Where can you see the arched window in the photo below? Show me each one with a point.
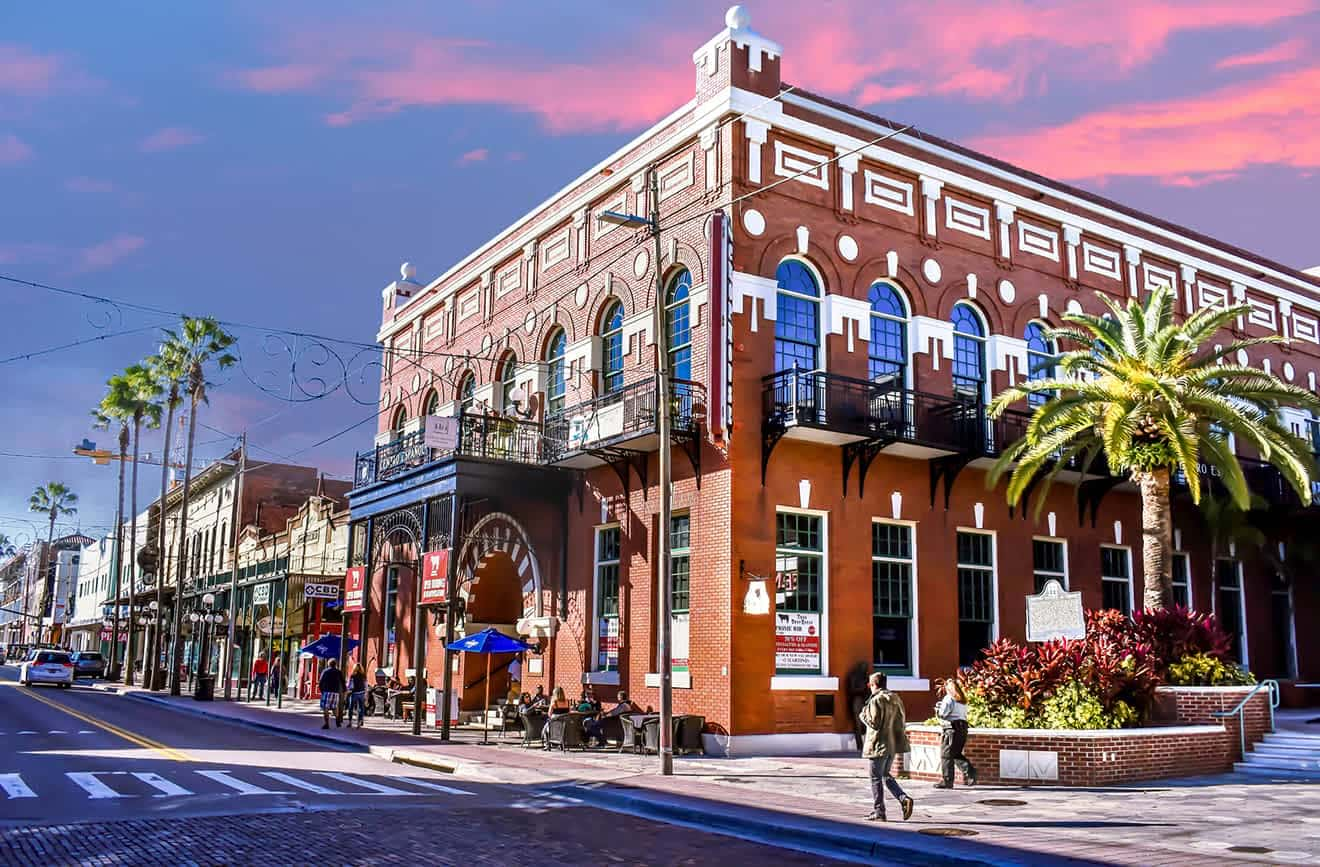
(887, 350)
(678, 327)
(797, 317)
(611, 347)
(1040, 359)
(467, 393)
(431, 406)
(400, 418)
(969, 374)
(556, 386)
(508, 379)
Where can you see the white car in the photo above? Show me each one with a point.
(47, 666)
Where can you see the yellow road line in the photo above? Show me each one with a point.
(140, 740)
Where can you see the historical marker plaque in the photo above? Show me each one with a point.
(1055, 613)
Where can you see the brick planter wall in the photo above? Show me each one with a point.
(1193, 705)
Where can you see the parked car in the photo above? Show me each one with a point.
(47, 666)
(88, 663)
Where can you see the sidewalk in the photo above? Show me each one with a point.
(817, 802)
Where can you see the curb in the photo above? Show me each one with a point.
(814, 836)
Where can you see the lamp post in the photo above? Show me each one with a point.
(665, 432)
(204, 618)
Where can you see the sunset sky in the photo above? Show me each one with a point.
(273, 163)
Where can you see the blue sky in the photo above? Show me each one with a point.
(274, 163)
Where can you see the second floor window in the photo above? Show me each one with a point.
(556, 385)
(887, 350)
(797, 317)
(467, 393)
(400, 418)
(968, 352)
(611, 347)
(431, 406)
(678, 327)
(1040, 359)
(508, 380)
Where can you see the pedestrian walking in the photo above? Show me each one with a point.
(357, 695)
(259, 678)
(952, 711)
(276, 677)
(332, 685)
(886, 738)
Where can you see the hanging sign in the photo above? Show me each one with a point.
(440, 432)
(797, 641)
(435, 577)
(678, 644)
(261, 594)
(320, 591)
(355, 582)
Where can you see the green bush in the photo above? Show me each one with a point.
(1200, 669)
(1074, 706)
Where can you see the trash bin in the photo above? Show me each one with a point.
(205, 690)
(160, 680)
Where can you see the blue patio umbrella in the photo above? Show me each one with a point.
(327, 647)
(489, 641)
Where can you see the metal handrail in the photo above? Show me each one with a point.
(1240, 710)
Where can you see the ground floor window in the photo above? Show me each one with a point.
(1049, 562)
(799, 589)
(1182, 581)
(607, 598)
(391, 610)
(680, 550)
(976, 594)
(892, 625)
(1282, 631)
(1116, 578)
(1228, 604)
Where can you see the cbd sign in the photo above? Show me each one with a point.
(435, 577)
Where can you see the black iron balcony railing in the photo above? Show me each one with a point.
(622, 415)
(491, 437)
(870, 410)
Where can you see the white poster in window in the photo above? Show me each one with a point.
(678, 644)
(261, 594)
(797, 642)
(607, 655)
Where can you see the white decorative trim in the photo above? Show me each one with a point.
(908, 684)
(802, 744)
(1099, 734)
(1305, 328)
(838, 310)
(1102, 261)
(1005, 215)
(556, 248)
(583, 356)
(1210, 295)
(746, 289)
(600, 678)
(802, 165)
(848, 164)
(509, 279)
(469, 304)
(930, 191)
(680, 680)
(641, 328)
(926, 334)
(887, 192)
(966, 217)
(847, 247)
(1038, 240)
(677, 176)
(753, 222)
(804, 682)
(1263, 313)
(1153, 276)
(757, 133)
(1000, 348)
(803, 239)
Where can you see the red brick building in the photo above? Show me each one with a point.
(842, 295)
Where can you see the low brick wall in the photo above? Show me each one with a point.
(1195, 705)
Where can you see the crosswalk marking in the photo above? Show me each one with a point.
(239, 786)
(427, 784)
(86, 732)
(366, 784)
(15, 787)
(167, 788)
(94, 788)
(301, 784)
(27, 733)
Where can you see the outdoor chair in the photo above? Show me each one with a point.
(509, 719)
(612, 729)
(565, 731)
(632, 734)
(688, 737)
(533, 726)
(651, 729)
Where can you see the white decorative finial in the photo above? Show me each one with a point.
(408, 270)
(737, 18)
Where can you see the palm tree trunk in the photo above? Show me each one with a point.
(118, 564)
(132, 553)
(177, 639)
(1156, 538)
(46, 576)
(154, 649)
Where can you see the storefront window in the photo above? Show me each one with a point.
(1228, 604)
(976, 595)
(1182, 582)
(891, 582)
(799, 580)
(1048, 558)
(1116, 578)
(391, 603)
(607, 599)
(680, 541)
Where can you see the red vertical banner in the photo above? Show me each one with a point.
(435, 577)
(355, 583)
(719, 356)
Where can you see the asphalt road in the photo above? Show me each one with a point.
(88, 776)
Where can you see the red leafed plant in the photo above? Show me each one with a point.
(1174, 633)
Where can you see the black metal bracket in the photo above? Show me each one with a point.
(771, 434)
(862, 454)
(946, 470)
(623, 461)
(1090, 493)
(690, 443)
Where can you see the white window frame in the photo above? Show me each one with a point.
(914, 627)
(994, 574)
(1191, 600)
(598, 674)
(1296, 672)
(907, 329)
(1127, 552)
(1066, 582)
(823, 681)
(1242, 601)
(822, 327)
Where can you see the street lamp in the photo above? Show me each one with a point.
(204, 618)
(665, 432)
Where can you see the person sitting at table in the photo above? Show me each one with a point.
(539, 701)
(559, 702)
(595, 728)
(524, 702)
(588, 704)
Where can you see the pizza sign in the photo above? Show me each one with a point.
(355, 582)
(435, 577)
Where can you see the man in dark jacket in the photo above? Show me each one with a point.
(332, 686)
(886, 739)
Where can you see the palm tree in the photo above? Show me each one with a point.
(7, 548)
(140, 393)
(199, 344)
(114, 408)
(1140, 389)
(167, 369)
(54, 499)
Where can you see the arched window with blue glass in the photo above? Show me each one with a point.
(508, 379)
(1040, 360)
(611, 347)
(678, 325)
(797, 317)
(887, 359)
(467, 393)
(969, 367)
(556, 386)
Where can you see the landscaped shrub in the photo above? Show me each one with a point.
(1200, 669)
(1176, 633)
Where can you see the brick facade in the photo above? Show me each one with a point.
(941, 225)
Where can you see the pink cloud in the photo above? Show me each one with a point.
(476, 155)
(108, 253)
(1197, 140)
(1281, 53)
(24, 72)
(13, 150)
(88, 185)
(169, 138)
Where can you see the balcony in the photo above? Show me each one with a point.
(484, 437)
(623, 424)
